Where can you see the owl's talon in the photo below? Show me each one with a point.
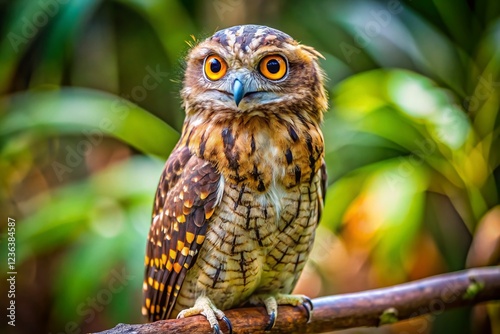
(272, 321)
(228, 323)
(308, 301)
(308, 305)
(271, 303)
(204, 306)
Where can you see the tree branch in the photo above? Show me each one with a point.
(432, 295)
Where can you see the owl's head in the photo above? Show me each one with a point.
(253, 69)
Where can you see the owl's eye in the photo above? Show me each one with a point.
(273, 67)
(215, 67)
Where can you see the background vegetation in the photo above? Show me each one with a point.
(89, 111)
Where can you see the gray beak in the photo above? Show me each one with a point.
(238, 91)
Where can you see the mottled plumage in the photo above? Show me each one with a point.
(242, 192)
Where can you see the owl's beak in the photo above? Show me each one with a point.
(238, 91)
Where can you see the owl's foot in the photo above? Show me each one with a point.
(272, 301)
(205, 307)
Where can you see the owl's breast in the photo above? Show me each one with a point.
(263, 154)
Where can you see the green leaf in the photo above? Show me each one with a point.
(88, 113)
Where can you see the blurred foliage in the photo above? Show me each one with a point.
(89, 111)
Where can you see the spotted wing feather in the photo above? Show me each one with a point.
(185, 200)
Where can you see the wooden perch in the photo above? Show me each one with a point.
(433, 295)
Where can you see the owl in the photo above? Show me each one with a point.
(242, 192)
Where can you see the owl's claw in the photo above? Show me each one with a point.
(205, 307)
(271, 303)
(272, 321)
(228, 323)
(308, 305)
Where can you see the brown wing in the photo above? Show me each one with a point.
(186, 198)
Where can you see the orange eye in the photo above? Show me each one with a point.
(273, 67)
(215, 67)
